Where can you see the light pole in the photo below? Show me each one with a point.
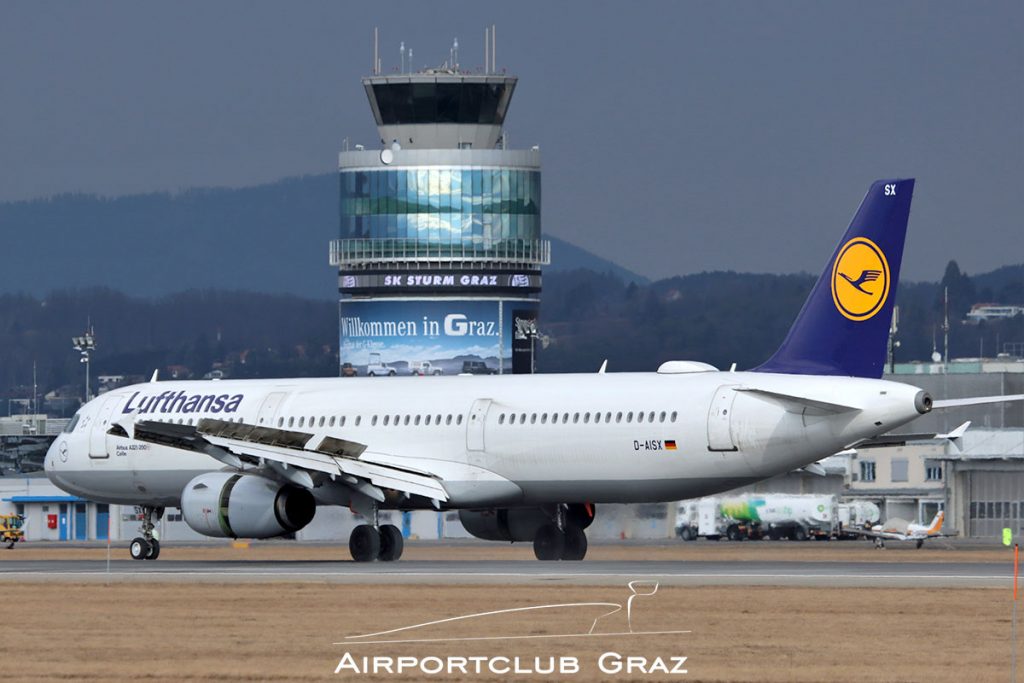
(85, 345)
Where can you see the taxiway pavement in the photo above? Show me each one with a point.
(522, 572)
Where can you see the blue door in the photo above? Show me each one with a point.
(81, 525)
(62, 522)
(102, 521)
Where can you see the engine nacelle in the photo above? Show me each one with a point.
(232, 505)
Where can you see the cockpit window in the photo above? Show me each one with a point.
(71, 425)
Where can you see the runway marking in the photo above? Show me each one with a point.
(386, 575)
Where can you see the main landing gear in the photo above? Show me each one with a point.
(561, 540)
(147, 546)
(376, 541)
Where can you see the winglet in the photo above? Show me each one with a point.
(604, 367)
(956, 437)
(156, 374)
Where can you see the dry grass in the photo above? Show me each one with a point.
(286, 631)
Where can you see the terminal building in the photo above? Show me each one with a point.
(439, 255)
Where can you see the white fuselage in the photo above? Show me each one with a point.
(498, 440)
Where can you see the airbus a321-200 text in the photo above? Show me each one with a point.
(522, 457)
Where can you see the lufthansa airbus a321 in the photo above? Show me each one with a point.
(523, 458)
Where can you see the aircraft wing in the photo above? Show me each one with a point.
(870, 533)
(294, 456)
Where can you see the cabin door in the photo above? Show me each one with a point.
(475, 425)
(720, 419)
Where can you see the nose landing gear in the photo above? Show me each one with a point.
(147, 546)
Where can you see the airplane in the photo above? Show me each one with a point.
(523, 458)
(918, 533)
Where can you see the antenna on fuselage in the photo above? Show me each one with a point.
(604, 366)
(156, 374)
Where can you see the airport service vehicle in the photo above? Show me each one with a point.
(521, 457)
(895, 531)
(425, 367)
(772, 515)
(375, 367)
(11, 529)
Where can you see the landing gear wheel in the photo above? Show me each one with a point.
(920, 542)
(798, 534)
(364, 543)
(154, 550)
(549, 543)
(734, 533)
(687, 533)
(139, 548)
(391, 543)
(575, 546)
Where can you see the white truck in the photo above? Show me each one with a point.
(375, 368)
(424, 368)
(771, 515)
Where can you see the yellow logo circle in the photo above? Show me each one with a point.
(860, 279)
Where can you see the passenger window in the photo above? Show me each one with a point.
(359, 418)
(533, 418)
(522, 418)
(650, 417)
(322, 421)
(565, 418)
(417, 420)
(608, 417)
(406, 421)
(280, 421)
(330, 423)
(618, 417)
(437, 420)
(373, 421)
(586, 418)
(291, 421)
(673, 416)
(661, 418)
(597, 418)
(629, 416)
(387, 419)
(575, 418)
(640, 416)
(448, 421)
(501, 419)
(341, 422)
(544, 418)
(458, 420)
(426, 420)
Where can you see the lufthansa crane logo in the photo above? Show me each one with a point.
(860, 279)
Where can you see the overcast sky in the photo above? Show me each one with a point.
(676, 136)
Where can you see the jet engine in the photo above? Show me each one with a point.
(232, 505)
(519, 524)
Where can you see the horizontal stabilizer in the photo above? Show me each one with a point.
(955, 436)
(975, 401)
(799, 404)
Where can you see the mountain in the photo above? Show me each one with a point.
(268, 238)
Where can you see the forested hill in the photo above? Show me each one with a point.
(269, 238)
(587, 316)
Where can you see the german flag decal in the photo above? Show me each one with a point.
(670, 444)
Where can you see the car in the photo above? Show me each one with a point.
(376, 367)
(347, 370)
(477, 367)
(424, 368)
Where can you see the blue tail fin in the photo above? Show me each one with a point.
(843, 327)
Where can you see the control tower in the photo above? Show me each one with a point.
(440, 252)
